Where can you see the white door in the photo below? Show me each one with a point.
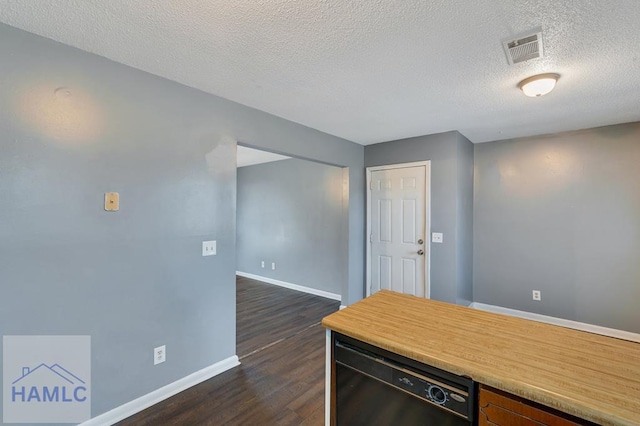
(398, 216)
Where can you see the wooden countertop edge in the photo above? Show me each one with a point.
(522, 389)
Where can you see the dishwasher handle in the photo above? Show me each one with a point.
(364, 362)
(427, 388)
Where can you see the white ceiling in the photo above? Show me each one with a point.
(250, 156)
(371, 70)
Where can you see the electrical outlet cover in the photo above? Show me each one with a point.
(159, 355)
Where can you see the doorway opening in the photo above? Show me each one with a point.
(291, 218)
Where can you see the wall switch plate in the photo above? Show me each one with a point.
(273, 266)
(159, 354)
(537, 295)
(262, 263)
(209, 248)
(437, 237)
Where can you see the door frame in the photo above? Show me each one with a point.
(427, 222)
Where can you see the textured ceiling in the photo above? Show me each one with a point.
(371, 70)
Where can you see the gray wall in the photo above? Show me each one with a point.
(561, 214)
(464, 228)
(446, 151)
(290, 212)
(133, 279)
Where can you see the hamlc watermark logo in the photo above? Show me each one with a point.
(46, 379)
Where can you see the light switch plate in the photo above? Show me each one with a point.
(111, 201)
(209, 248)
(437, 237)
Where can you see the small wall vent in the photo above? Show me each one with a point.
(524, 48)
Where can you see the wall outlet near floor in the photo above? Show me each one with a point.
(159, 355)
(273, 266)
(209, 248)
(262, 263)
(537, 295)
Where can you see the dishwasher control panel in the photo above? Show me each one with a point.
(432, 391)
(436, 387)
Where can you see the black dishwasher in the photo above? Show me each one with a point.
(377, 387)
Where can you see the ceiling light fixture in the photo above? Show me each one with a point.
(538, 85)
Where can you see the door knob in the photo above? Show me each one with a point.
(420, 241)
(420, 252)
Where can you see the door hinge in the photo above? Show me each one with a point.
(371, 237)
(371, 185)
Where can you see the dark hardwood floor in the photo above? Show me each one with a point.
(280, 343)
(267, 314)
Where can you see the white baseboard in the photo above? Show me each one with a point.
(591, 328)
(291, 286)
(342, 307)
(130, 408)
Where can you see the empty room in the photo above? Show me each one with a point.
(320, 212)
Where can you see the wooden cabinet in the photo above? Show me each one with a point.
(497, 408)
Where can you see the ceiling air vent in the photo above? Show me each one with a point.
(524, 48)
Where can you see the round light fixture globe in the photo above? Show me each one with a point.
(538, 85)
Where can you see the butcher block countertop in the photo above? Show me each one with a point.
(593, 377)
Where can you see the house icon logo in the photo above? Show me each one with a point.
(63, 386)
(46, 379)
